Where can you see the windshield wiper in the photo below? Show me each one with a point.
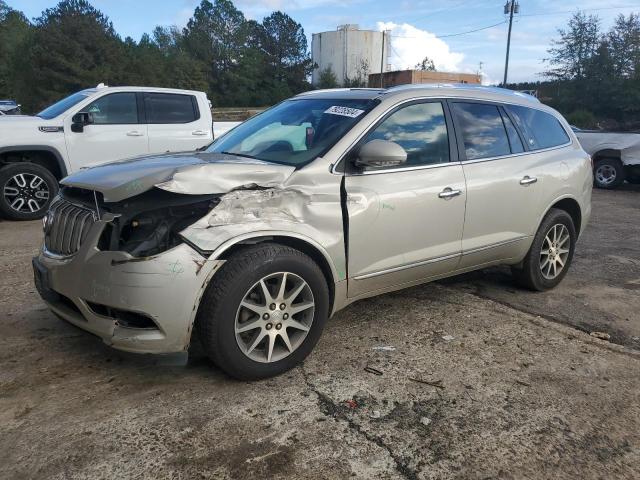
(240, 155)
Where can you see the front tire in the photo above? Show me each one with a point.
(608, 173)
(263, 312)
(26, 191)
(551, 253)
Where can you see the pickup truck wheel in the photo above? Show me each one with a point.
(551, 252)
(263, 312)
(608, 173)
(26, 191)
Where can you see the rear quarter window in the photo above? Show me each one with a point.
(541, 129)
(170, 108)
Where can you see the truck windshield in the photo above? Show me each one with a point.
(294, 132)
(63, 105)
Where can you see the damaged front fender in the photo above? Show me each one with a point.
(312, 216)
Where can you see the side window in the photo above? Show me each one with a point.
(483, 131)
(114, 109)
(541, 129)
(512, 133)
(420, 129)
(170, 108)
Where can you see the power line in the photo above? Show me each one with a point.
(459, 33)
(563, 12)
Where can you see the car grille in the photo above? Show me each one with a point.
(66, 227)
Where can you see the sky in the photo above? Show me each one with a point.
(419, 28)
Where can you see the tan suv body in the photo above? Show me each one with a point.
(324, 199)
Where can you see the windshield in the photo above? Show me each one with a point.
(63, 105)
(295, 131)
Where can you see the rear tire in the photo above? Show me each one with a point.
(249, 343)
(608, 173)
(551, 253)
(26, 191)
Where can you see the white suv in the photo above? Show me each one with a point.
(322, 200)
(92, 127)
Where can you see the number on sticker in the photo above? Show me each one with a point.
(344, 111)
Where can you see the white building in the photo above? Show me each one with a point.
(350, 52)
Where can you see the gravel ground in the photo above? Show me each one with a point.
(477, 380)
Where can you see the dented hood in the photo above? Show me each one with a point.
(194, 173)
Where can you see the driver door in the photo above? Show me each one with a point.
(115, 134)
(405, 222)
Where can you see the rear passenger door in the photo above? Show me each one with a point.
(503, 183)
(175, 123)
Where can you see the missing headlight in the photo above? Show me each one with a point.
(150, 223)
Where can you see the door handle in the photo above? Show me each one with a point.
(527, 180)
(200, 133)
(448, 193)
(134, 133)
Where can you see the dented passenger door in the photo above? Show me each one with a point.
(405, 222)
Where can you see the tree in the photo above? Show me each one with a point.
(577, 44)
(361, 78)
(72, 46)
(426, 65)
(14, 28)
(216, 35)
(287, 62)
(624, 45)
(327, 78)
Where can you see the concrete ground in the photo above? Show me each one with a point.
(466, 378)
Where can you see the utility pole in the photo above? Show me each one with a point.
(510, 8)
(384, 34)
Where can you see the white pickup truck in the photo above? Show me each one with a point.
(616, 156)
(91, 127)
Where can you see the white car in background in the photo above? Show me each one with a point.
(616, 156)
(89, 128)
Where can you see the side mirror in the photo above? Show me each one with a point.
(381, 153)
(79, 120)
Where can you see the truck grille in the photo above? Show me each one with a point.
(66, 227)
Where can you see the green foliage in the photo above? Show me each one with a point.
(594, 76)
(327, 79)
(426, 65)
(14, 28)
(72, 46)
(577, 44)
(582, 118)
(361, 78)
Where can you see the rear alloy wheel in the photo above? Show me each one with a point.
(263, 311)
(608, 173)
(26, 191)
(550, 253)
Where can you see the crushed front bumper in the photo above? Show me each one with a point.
(99, 290)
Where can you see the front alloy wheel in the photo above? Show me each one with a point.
(274, 317)
(263, 311)
(26, 193)
(26, 190)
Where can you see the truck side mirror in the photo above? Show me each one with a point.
(80, 120)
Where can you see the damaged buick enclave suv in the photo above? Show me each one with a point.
(326, 198)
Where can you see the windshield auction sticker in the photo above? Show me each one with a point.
(344, 111)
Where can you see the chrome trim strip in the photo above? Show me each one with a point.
(494, 245)
(530, 152)
(407, 266)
